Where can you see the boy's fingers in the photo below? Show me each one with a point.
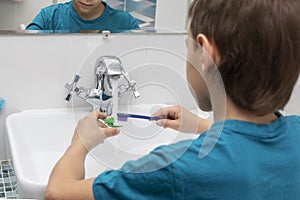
(159, 113)
(166, 123)
(164, 112)
(110, 131)
(101, 124)
(99, 114)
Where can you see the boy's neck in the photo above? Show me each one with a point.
(235, 112)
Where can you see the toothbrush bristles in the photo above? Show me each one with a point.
(122, 119)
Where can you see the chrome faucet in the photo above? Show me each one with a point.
(108, 69)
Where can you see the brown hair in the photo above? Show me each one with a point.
(259, 45)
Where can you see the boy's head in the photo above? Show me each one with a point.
(256, 46)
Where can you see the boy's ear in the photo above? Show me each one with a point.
(209, 47)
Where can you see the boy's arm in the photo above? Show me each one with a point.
(134, 25)
(180, 119)
(38, 23)
(67, 178)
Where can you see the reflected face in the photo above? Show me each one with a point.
(197, 84)
(88, 9)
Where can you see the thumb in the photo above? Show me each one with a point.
(108, 132)
(168, 123)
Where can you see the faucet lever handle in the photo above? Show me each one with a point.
(136, 93)
(131, 85)
(72, 87)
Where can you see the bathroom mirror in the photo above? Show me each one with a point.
(166, 16)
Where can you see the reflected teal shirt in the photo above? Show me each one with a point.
(248, 161)
(63, 17)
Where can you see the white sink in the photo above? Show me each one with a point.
(37, 139)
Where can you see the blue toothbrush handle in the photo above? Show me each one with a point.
(137, 116)
(144, 117)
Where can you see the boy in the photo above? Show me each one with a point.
(255, 45)
(83, 15)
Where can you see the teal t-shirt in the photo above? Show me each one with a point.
(248, 161)
(63, 17)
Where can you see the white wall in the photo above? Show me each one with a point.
(293, 107)
(34, 69)
(172, 15)
(59, 1)
(12, 13)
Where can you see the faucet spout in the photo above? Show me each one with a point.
(108, 71)
(111, 65)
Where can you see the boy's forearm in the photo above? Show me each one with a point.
(71, 165)
(68, 175)
(203, 125)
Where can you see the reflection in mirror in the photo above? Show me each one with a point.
(159, 15)
(77, 15)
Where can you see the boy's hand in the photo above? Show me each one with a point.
(91, 132)
(180, 119)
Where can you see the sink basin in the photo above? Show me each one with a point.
(38, 138)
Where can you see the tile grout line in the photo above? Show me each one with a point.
(8, 182)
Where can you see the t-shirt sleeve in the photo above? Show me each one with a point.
(150, 177)
(38, 23)
(133, 23)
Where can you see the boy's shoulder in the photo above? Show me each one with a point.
(125, 20)
(56, 7)
(293, 119)
(117, 13)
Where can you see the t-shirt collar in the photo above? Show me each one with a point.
(248, 128)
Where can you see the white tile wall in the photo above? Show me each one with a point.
(172, 16)
(12, 13)
(34, 69)
(293, 107)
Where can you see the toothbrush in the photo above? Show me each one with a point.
(2, 103)
(124, 117)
